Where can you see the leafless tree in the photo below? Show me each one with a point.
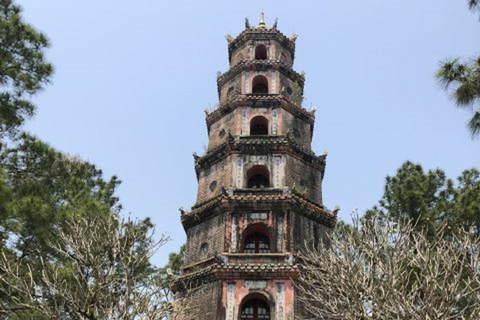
(100, 270)
(384, 270)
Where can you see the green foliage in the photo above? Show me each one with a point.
(175, 260)
(65, 252)
(23, 68)
(466, 200)
(297, 93)
(463, 78)
(429, 198)
(46, 186)
(59, 217)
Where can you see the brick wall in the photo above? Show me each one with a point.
(304, 231)
(219, 130)
(305, 177)
(204, 303)
(300, 130)
(211, 232)
(212, 180)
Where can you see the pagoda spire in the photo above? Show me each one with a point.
(261, 24)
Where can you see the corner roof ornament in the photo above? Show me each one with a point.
(247, 24)
(275, 24)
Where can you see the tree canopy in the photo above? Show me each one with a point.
(23, 67)
(430, 197)
(66, 251)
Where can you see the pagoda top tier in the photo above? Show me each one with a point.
(261, 32)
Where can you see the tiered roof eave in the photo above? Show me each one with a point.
(245, 64)
(235, 198)
(259, 100)
(251, 33)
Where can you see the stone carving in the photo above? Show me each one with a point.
(256, 284)
(230, 300)
(280, 300)
(233, 235)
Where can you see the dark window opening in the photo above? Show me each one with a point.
(204, 249)
(260, 85)
(256, 310)
(257, 243)
(213, 185)
(258, 177)
(230, 92)
(260, 52)
(258, 126)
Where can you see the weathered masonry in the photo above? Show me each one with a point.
(259, 196)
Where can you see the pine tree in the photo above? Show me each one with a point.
(463, 78)
(23, 67)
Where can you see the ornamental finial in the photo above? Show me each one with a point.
(261, 24)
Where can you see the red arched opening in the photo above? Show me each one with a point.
(258, 177)
(256, 239)
(260, 52)
(255, 308)
(260, 85)
(258, 126)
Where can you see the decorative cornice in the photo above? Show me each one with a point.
(222, 271)
(232, 199)
(259, 100)
(261, 34)
(259, 145)
(262, 65)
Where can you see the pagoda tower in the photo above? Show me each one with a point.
(259, 198)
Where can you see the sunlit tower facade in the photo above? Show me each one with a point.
(259, 200)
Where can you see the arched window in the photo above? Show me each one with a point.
(255, 310)
(257, 243)
(258, 126)
(258, 177)
(260, 52)
(260, 85)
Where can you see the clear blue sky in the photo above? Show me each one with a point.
(133, 77)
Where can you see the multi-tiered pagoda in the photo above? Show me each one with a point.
(259, 196)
